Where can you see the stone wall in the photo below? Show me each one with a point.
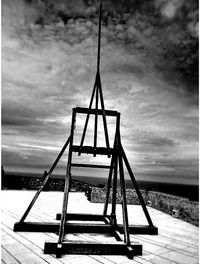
(33, 183)
(176, 206)
(98, 195)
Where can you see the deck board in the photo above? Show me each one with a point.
(177, 241)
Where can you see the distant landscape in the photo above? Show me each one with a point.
(178, 200)
(81, 183)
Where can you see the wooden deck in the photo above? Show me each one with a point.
(177, 241)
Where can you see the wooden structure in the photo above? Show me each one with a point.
(106, 222)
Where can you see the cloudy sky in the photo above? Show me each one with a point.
(46, 72)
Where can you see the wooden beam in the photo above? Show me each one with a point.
(104, 114)
(99, 39)
(90, 166)
(52, 227)
(136, 186)
(124, 202)
(88, 115)
(92, 248)
(108, 186)
(67, 183)
(36, 227)
(92, 111)
(113, 219)
(96, 120)
(91, 150)
(83, 217)
(139, 229)
(47, 175)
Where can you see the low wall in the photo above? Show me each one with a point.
(33, 183)
(176, 206)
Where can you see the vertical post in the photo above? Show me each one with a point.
(112, 165)
(104, 115)
(95, 86)
(99, 39)
(114, 191)
(124, 202)
(96, 121)
(88, 115)
(114, 194)
(123, 190)
(67, 185)
(108, 186)
(99, 80)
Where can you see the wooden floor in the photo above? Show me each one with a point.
(177, 241)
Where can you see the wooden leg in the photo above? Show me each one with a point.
(88, 115)
(136, 186)
(124, 203)
(104, 115)
(96, 121)
(67, 185)
(45, 180)
(109, 186)
(114, 192)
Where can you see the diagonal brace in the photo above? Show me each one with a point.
(46, 178)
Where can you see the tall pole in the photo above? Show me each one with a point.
(99, 40)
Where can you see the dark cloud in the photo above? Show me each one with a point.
(19, 115)
(48, 71)
(128, 68)
(157, 141)
(40, 157)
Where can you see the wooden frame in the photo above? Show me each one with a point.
(108, 222)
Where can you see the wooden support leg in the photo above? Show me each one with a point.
(115, 154)
(108, 186)
(136, 186)
(104, 115)
(64, 209)
(67, 186)
(45, 180)
(94, 248)
(88, 115)
(96, 121)
(124, 202)
(114, 193)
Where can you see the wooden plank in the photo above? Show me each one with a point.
(54, 227)
(92, 111)
(118, 248)
(7, 257)
(83, 217)
(91, 150)
(20, 252)
(174, 234)
(36, 227)
(31, 241)
(140, 229)
(82, 227)
(90, 166)
(88, 228)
